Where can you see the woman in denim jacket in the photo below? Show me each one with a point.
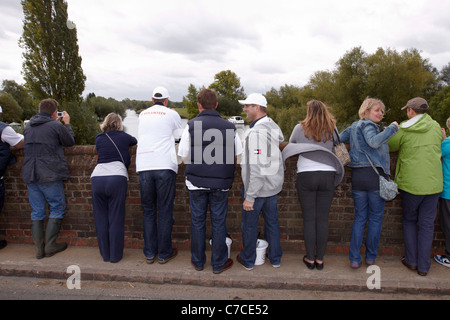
(366, 140)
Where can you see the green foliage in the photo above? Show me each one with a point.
(228, 107)
(445, 74)
(387, 75)
(83, 121)
(20, 94)
(190, 101)
(12, 112)
(103, 106)
(52, 66)
(287, 118)
(287, 106)
(440, 106)
(227, 84)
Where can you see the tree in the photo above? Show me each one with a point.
(52, 66)
(229, 90)
(11, 111)
(387, 75)
(83, 121)
(103, 106)
(440, 106)
(445, 74)
(25, 101)
(190, 101)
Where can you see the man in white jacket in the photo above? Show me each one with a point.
(263, 177)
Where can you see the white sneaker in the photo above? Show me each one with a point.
(442, 260)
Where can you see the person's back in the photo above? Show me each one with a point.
(156, 147)
(44, 170)
(418, 169)
(419, 178)
(157, 165)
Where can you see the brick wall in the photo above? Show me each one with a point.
(78, 225)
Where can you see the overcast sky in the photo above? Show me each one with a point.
(130, 47)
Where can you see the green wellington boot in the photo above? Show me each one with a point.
(51, 247)
(37, 232)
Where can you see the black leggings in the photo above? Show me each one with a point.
(315, 193)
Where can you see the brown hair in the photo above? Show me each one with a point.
(112, 121)
(48, 106)
(319, 123)
(208, 99)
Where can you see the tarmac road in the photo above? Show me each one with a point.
(27, 288)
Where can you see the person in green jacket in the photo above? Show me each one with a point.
(419, 177)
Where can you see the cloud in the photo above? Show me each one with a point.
(129, 47)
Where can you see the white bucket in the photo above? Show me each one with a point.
(261, 247)
(228, 242)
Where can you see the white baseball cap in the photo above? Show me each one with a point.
(162, 91)
(255, 98)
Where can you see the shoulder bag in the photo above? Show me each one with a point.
(388, 188)
(340, 150)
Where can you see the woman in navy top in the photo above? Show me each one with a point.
(109, 186)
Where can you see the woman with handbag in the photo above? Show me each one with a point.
(368, 145)
(109, 186)
(318, 173)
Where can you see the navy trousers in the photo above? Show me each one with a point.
(419, 214)
(108, 202)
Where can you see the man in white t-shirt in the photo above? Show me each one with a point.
(157, 166)
(9, 139)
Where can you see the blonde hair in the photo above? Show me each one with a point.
(368, 104)
(319, 123)
(112, 121)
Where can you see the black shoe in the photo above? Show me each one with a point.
(409, 266)
(3, 244)
(227, 266)
(173, 255)
(196, 268)
(308, 264)
(319, 266)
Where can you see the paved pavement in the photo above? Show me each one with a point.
(19, 260)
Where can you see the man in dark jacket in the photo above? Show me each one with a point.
(44, 170)
(209, 146)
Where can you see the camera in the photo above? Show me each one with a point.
(59, 114)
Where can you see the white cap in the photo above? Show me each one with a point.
(255, 98)
(162, 91)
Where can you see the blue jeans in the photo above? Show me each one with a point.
(39, 194)
(157, 197)
(218, 204)
(369, 207)
(419, 214)
(249, 228)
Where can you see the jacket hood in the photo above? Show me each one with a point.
(418, 124)
(39, 119)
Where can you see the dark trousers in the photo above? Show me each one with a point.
(217, 201)
(444, 214)
(158, 189)
(108, 202)
(419, 214)
(315, 193)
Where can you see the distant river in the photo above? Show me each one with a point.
(131, 124)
